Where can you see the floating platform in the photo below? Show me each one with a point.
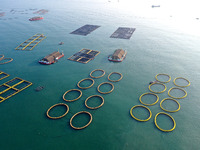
(2, 14)
(3, 75)
(41, 11)
(85, 30)
(31, 42)
(123, 33)
(12, 87)
(84, 55)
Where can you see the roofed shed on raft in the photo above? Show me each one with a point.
(51, 58)
(118, 55)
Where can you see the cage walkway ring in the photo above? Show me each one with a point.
(155, 121)
(59, 104)
(78, 84)
(164, 75)
(121, 76)
(170, 110)
(81, 112)
(97, 76)
(98, 88)
(183, 79)
(9, 60)
(131, 112)
(72, 99)
(157, 99)
(160, 84)
(96, 106)
(2, 56)
(178, 89)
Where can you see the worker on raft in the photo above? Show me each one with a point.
(153, 82)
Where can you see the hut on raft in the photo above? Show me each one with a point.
(51, 58)
(118, 55)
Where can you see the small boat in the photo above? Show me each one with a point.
(2, 14)
(61, 43)
(39, 88)
(153, 82)
(51, 58)
(155, 6)
(36, 18)
(118, 55)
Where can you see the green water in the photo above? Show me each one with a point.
(157, 46)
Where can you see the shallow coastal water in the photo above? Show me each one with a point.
(159, 45)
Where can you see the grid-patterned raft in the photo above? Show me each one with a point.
(12, 87)
(123, 33)
(84, 56)
(85, 30)
(3, 75)
(31, 42)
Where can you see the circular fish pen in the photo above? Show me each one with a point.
(59, 104)
(178, 89)
(121, 76)
(78, 84)
(67, 100)
(98, 88)
(103, 73)
(9, 60)
(79, 128)
(96, 106)
(171, 100)
(162, 74)
(142, 120)
(181, 85)
(157, 98)
(158, 84)
(164, 130)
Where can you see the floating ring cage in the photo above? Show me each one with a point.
(121, 76)
(160, 74)
(131, 112)
(157, 99)
(78, 84)
(178, 89)
(171, 100)
(157, 91)
(183, 79)
(164, 130)
(103, 73)
(9, 60)
(96, 106)
(72, 99)
(60, 104)
(79, 128)
(98, 88)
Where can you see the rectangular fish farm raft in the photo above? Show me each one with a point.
(13, 87)
(31, 42)
(84, 55)
(123, 33)
(85, 30)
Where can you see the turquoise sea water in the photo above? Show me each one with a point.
(159, 45)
